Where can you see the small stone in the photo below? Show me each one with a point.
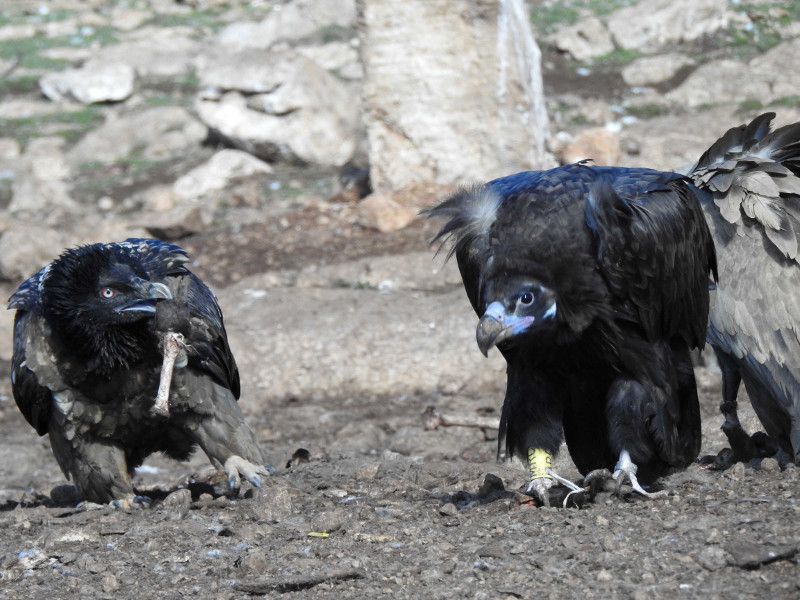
(448, 510)
(737, 471)
(328, 521)
(491, 483)
(180, 501)
(669, 524)
(179, 222)
(770, 465)
(255, 562)
(493, 551)
(610, 543)
(66, 495)
(597, 144)
(110, 583)
(712, 558)
(384, 213)
(371, 471)
(604, 575)
(273, 503)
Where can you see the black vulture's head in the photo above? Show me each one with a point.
(517, 309)
(96, 297)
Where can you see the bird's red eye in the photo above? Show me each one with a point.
(526, 298)
(107, 292)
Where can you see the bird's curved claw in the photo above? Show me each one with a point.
(131, 502)
(540, 487)
(237, 467)
(626, 469)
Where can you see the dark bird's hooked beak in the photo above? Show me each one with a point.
(148, 292)
(496, 326)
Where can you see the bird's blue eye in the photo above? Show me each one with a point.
(107, 292)
(526, 298)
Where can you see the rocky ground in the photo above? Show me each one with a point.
(346, 330)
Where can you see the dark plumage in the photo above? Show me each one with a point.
(753, 210)
(87, 363)
(593, 283)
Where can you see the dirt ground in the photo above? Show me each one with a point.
(385, 508)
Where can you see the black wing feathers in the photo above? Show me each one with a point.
(34, 400)
(208, 343)
(651, 234)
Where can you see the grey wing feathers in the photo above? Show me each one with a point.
(753, 173)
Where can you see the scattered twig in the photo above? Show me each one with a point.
(751, 556)
(172, 344)
(304, 582)
(433, 419)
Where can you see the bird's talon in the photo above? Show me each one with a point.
(541, 489)
(237, 468)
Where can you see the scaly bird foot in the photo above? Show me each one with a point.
(540, 488)
(131, 502)
(626, 469)
(237, 467)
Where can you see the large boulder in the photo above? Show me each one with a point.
(157, 51)
(649, 25)
(96, 81)
(781, 69)
(288, 22)
(158, 133)
(583, 40)
(652, 70)
(280, 106)
(217, 173)
(722, 81)
(453, 91)
(39, 186)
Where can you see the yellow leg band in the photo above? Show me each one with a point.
(538, 462)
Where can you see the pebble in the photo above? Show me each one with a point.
(770, 465)
(448, 510)
(328, 521)
(712, 558)
(604, 575)
(371, 471)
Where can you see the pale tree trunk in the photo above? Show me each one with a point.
(452, 92)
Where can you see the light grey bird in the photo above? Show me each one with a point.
(753, 177)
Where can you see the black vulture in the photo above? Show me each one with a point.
(753, 209)
(593, 282)
(89, 334)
